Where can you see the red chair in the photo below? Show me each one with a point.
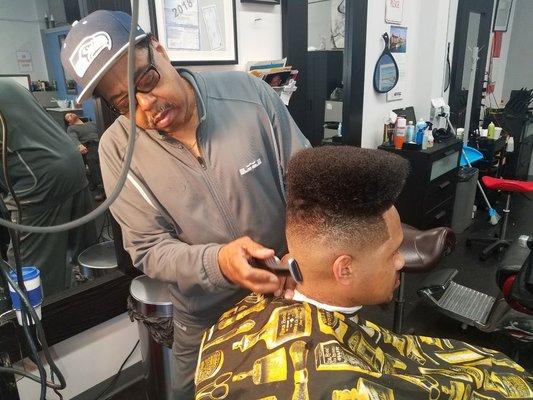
(507, 186)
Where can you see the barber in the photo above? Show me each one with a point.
(205, 190)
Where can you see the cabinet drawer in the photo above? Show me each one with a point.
(440, 216)
(438, 192)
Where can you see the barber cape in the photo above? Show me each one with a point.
(272, 348)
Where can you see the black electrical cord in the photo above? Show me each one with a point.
(5, 269)
(115, 378)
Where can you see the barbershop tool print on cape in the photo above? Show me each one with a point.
(269, 348)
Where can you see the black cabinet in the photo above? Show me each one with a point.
(324, 74)
(428, 196)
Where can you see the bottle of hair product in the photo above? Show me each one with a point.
(420, 128)
(410, 132)
(399, 134)
(46, 21)
(510, 144)
(490, 130)
(52, 21)
(425, 140)
(431, 139)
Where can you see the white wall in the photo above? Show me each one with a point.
(428, 31)
(519, 71)
(20, 31)
(258, 33)
(88, 358)
(96, 354)
(319, 24)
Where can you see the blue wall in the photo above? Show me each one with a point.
(52, 51)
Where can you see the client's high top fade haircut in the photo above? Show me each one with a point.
(339, 193)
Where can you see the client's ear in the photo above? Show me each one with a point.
(343, 269)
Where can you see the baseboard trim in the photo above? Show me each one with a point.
(128, 377)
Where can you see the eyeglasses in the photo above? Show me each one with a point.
(145, 83)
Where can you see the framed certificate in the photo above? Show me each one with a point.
(196, 32)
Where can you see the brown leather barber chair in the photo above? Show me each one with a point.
(422, 251)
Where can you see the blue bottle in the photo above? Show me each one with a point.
(420, 128)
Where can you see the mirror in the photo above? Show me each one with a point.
(325, 45)
(57, 174)
(386, 72)
(471, 42)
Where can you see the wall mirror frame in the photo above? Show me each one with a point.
(79, 308)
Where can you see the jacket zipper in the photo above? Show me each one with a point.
(215, 194)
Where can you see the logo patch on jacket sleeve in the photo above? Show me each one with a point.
(249, 167)
(87, 50)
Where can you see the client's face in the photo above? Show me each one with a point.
(378, 269)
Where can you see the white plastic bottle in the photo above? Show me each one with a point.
(510, 144)
(431, 139)
(425, 140)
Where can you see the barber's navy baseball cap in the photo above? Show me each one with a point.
(93, 45)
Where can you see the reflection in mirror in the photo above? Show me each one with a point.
(325, 24)
(471, 42)
(325, 28)
(52, 159)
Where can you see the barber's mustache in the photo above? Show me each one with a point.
(154, 118)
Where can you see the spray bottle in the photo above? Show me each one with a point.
(420, 128)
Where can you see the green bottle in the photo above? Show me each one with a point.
(490, 131)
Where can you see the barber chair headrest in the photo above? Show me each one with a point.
(422, 250)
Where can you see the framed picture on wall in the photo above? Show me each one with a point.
(70, 84)
(196, 32)
(261, 1)
(502, 15)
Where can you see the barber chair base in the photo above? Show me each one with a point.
(496, 247)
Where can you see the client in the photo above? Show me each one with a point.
(345, 234)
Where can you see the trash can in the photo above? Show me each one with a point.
(98, 260)
(465, 196)
(150, 305)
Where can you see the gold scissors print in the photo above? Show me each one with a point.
(216, 390)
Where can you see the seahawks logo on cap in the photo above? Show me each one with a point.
(87, 50)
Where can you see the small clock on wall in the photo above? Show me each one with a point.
(272, 2)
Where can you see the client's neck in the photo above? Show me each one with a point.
(320, 293)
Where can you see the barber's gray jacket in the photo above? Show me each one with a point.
(177, 211)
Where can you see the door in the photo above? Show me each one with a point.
(473, 26)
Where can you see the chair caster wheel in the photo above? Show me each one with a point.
(464, 326)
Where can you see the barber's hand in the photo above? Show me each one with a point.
(287, 283)
(233, 259)
(82, 149)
